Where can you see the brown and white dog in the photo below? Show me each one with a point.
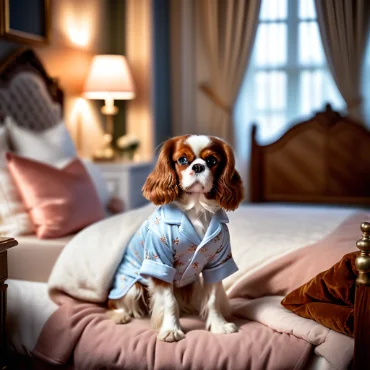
(197, 173)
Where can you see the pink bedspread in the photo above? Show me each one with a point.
(79, 332)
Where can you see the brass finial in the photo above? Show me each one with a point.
(363, 260)
(365, 228)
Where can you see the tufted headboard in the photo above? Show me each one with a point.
(28, 93)
(323, 160)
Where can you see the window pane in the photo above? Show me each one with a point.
(311, 91)
(271, 90)
(261, 90)
(278, 90)
(271, 44)
(272, 10)
(306, 9)
(270, 126)
(318, 88)
(310, 46)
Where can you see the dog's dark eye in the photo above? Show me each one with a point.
(211, 161)
(182, 161)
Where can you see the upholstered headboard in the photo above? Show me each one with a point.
(28, 93)
(323, 160)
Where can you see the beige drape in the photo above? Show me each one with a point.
(344, 26)
(228, 30)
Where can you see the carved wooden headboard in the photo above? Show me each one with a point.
(28, 93)
(323, 160)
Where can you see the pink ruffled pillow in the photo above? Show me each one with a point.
(59, 201)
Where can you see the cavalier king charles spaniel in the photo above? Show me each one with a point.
(194, 182)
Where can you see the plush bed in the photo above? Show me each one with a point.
(27, 317)
(310, 192)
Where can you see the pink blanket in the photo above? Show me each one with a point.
(80, 333)
(86, 337)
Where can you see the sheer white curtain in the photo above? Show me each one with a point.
(288, 76)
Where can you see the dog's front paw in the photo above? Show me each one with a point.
(223, 328)
(119, 316)
(171, 335)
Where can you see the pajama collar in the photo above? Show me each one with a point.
(172, 215)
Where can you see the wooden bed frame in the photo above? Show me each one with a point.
(323, 160)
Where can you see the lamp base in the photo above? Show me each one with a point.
(107, 152)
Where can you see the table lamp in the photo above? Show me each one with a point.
(109, 78)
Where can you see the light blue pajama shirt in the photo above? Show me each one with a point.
(167, 247)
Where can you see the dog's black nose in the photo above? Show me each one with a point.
(198, 168)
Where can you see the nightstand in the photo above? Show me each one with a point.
(5, 243)
(125, 180)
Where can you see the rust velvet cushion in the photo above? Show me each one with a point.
(59, 201)
(329, 297)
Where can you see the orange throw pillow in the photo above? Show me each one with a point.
(59, 201)
(329, 297)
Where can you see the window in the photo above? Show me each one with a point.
(288, 77)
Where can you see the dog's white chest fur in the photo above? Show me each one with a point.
(199, 210)
(200, 219)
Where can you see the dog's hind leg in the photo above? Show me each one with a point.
(133, 304)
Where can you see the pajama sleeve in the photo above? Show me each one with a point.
(222, 263)
(158, 258)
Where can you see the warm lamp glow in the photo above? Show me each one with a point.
(78, 34)
(79, 113)
(109, 77)
(77, 21)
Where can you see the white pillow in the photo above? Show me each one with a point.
(14, 219)
(47, 146)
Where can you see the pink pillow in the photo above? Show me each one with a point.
(59, 201)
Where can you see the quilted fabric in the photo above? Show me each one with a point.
(28, 101)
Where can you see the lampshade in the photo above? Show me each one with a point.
(109, 76)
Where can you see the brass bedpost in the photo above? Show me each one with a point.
(363, 260)
(362, 302)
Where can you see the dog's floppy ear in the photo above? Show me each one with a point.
(229, 187)
(161, 186)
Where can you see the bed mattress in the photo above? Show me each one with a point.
(33, 258)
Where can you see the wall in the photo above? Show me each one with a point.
(161, 71)
(139, 52)
(138, 29)
(78, 33)
(116, 44)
